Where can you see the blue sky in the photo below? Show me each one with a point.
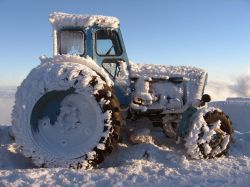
(212, 34)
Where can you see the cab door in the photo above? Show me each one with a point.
(110, 54)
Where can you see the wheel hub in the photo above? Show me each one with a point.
(76, 130)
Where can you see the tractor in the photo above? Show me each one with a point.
(69, 110)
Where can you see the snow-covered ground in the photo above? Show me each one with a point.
(156, 162)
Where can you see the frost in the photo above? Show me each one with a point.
(108, 117)
(89, 62)
(104, 102)
(60, 20)
(142, 90)
(138, 107)
(165, 72)
(209, 132)
(12, 149)
(155, 87)
(91, 155)
(122, 78)
(109, 94)
(101, 146)
(225, 142)
(80, 118)
(199, 126)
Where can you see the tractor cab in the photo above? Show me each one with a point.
(91, 36)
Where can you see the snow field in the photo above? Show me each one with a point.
(157, 163)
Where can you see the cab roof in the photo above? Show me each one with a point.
(60, 20)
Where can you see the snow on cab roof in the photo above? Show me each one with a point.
(60, 20)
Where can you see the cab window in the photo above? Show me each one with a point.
(72, 42)
(111, 66)
(107, 43)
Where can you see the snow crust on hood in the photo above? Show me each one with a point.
(60, 19)
(164, 72)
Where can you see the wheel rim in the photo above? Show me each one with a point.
(67, 124)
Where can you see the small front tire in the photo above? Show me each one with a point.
(210, 135)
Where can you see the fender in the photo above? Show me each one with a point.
(186, 120)
(89, 62)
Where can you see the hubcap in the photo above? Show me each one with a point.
(74, 131)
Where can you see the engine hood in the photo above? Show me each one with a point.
(187, 80)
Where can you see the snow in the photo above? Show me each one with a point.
(195, 138)
(141, 136)
(72, 42)
(57, 59)
(142, 90)
(164, 71)
(60, 20)
(184, 87)
(159, 162)
(156, 161)
(46, 147)
(122, 79)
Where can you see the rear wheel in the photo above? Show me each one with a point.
(210, 136)
(65, 115)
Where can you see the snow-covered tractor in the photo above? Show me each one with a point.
(69, 110)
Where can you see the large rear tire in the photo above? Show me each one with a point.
(210, 135)
(65, 115)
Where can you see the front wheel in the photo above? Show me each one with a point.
(210, 134)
